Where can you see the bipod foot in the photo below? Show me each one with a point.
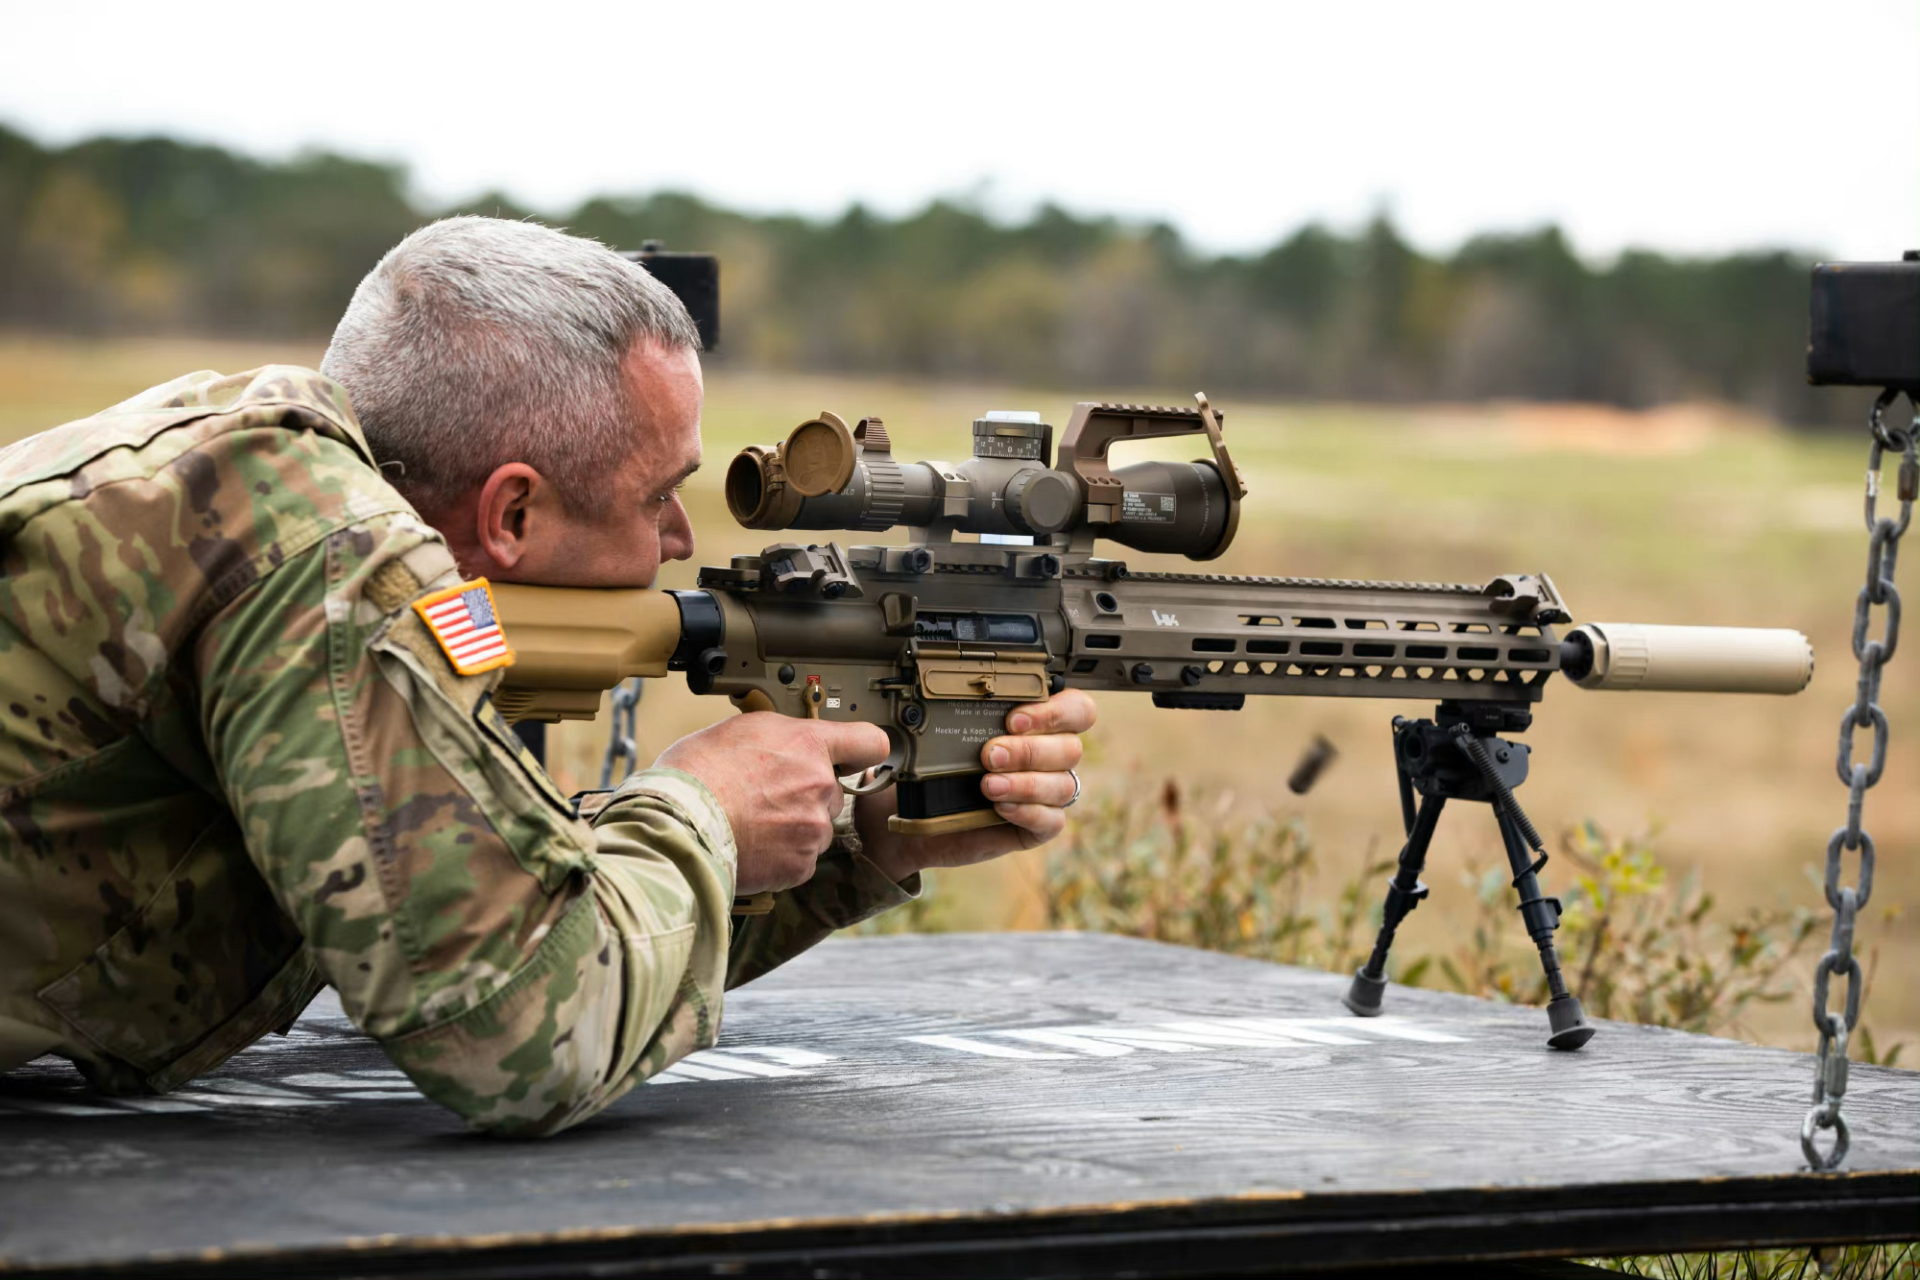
(1570, 1026)
(1363, 996)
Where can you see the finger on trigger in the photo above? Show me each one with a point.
(853, 745)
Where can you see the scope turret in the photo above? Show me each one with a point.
(828, 476)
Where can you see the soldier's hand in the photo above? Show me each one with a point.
(1028, 780)
(778, 780)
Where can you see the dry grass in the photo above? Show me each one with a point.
(1690, 515)
(1873, 1262)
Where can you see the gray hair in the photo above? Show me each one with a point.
(477, 341)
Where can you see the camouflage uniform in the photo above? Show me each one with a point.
(235, 766)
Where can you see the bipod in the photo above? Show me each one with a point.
(1457, 756)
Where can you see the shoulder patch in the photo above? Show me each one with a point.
(467, 626)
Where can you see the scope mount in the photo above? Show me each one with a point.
(1096, 428)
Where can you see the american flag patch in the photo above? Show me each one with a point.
(465, 623)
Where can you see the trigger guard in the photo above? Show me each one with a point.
(883, 777)
(887, 772)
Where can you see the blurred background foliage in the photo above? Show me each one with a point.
(114, 236)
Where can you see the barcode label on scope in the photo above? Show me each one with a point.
(1150, 508)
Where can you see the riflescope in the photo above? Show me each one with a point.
(827, 476)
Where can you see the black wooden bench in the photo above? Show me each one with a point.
(971, 1105)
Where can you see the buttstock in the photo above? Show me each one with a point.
(572, 644)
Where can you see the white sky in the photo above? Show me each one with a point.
(1691, 127)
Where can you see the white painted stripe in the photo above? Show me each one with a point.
(250, 1088)
(381, 1095)
(1067, 1040)
(40, 1106)
(727, 1062)
(1225, 1033)
(158, 1106)
(1298, 1029)
(966, 1045)
(375, 1079)
(1138, 1037)
(699, 1072)
(783, 1054)
(667, 1077)
(251, 1100)
(1396, 1029)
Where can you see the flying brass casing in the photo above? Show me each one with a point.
(1627, 655)
(572, 644)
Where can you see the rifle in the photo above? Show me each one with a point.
(937, 639)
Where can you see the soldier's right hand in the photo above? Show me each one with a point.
(778, 779)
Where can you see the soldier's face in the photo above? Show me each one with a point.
(518, 527)
(647, 523)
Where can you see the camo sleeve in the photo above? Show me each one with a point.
(522, 968)
(845, 889)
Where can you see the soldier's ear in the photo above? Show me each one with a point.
(507, 510)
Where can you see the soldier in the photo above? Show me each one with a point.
(238, 763)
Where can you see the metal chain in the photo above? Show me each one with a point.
(1883, 548)
(623, 746)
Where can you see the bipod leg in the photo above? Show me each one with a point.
(1404, 893)
(1568, 1024)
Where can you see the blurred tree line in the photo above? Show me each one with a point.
(139, 236)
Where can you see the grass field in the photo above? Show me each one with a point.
(1692, 514)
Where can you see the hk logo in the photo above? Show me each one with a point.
(1165, 619)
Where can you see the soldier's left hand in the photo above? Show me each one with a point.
(1029, 780)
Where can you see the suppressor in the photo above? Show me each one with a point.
(1631, 655)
